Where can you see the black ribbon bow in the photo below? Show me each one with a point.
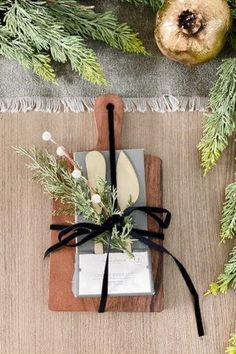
(89, 231)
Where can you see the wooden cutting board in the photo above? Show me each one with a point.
(61, 297)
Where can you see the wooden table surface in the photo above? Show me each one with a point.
(28, 327)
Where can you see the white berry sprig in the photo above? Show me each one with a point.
(61, 151)
(77, 172)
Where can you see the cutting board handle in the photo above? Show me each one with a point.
(101, 120)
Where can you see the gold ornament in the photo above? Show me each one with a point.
(192, 31)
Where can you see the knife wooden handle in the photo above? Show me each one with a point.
(101, 120)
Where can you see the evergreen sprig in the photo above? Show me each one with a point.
(231, 349)
(75, 196)
(220, 124)
(228, 221)
(104, 27)
(227, 279)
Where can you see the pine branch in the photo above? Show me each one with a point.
(32, 23)
(226, 280)
(220, 124)
(231, 349)
(228, 222)
(98, 26)
(154, 4)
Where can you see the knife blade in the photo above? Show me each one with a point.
(127, 185)
(96, 169)
(127, 182)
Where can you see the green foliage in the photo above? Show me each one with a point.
(228, 222)
(155, 4)
(75, 196)
(220, 124)
(44, 30)
(227, 279)
(231, 349)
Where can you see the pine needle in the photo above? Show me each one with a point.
(220, 124)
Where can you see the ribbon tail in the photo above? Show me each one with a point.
(53, 248)
(104, 294)
(184, 274)
(58, 226)
(194, 293)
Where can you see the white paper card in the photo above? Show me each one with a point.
(126, 275)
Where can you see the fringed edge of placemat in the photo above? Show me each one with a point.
(165, 103)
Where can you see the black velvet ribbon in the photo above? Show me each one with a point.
(89, 231)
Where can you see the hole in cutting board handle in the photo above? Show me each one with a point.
(110, 106)
(104, 105)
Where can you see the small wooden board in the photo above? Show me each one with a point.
(61, 297)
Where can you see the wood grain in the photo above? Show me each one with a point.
(26, 325)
